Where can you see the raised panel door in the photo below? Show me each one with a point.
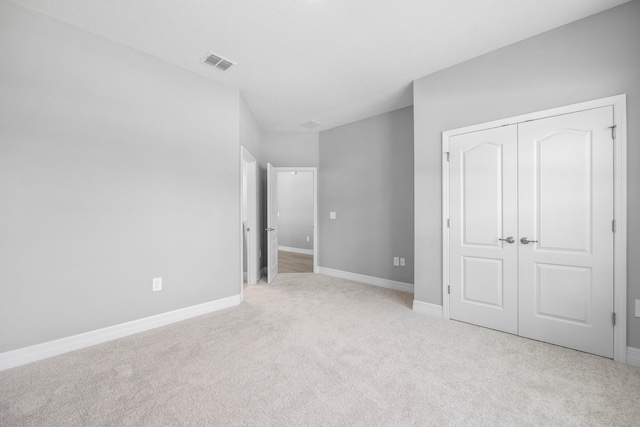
(566, 210)
(483, 204)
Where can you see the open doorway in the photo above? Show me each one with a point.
(296, 219)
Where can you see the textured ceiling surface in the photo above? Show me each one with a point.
(331, 61)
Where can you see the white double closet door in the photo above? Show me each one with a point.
(531, 239)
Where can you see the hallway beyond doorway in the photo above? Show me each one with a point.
(292, 262)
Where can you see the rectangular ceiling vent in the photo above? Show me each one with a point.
(217, 61)
(311, 124)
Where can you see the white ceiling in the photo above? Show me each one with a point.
(332, 61)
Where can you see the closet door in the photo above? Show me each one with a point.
(565, 166)
(483, 231)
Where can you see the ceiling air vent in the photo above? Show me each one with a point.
(217, 61)
(312, 124)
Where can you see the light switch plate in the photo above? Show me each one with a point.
(638, 308)
(157, 284)
(402, 262)
(396, 261)
(332, 215)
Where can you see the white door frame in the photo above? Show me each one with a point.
(272, 222)
(249, 165)
(314, 171)
(620, 204)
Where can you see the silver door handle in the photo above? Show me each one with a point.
(526, 241)
(269, 229)
(509, 239)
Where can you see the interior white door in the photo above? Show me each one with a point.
(272, 222)
(566, 210)
(483, 228)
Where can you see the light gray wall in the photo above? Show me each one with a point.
(251, 135)
(366, 177)
(115, 168)
(291, 149)
(589, 59)
(295, 208)
(252, 138)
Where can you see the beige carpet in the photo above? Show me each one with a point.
(315, 350)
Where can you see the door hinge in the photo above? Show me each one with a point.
(449, 290)
(448, 222)
(448, 154)
(613, 318)
(613, 226)
(613, 131)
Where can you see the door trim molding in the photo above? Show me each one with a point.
(248, 161)
(314, 171)
(619, 103)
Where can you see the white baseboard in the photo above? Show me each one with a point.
(369, 280)
(22, 356)
(633, 356)
(296, 250)
(431, 310)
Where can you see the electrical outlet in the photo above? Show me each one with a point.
(157, 284)
(402, 262)
(307, 238)
(332, 215)
(396, 261)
